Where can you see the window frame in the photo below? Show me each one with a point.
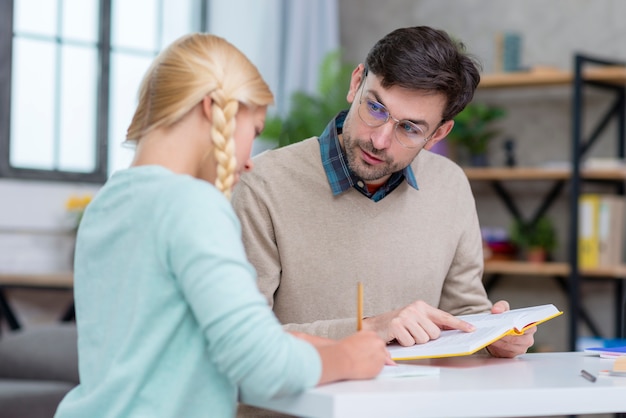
(104, 158)
(100, 173)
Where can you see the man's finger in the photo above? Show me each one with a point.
(448, 321)
(500, 306)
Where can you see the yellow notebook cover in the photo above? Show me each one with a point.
(588, 230)
(489, 328)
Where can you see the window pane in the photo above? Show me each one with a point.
(126, 74)
(261, 41)
(54, 115)
(78, 109)
(80, 20)
(134, 24)
(35, 16)
(179, 15)
(32, 104)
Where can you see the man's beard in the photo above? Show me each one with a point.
(361, 168)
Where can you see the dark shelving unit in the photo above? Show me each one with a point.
(589, 72)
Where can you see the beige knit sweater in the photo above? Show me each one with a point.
(310, 248)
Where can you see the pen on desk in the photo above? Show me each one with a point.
(588, 376)
(359, 306)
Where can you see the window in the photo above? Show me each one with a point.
(69, 72)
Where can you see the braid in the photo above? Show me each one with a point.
(222, 131)
(194, 66)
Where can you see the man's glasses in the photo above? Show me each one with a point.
(375, 114)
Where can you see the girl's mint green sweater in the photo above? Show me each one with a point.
(170, 320)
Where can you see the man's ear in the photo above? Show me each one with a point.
(206, 107)
(440, 134)
(355, 82)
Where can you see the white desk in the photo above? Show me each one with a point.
(474, 386)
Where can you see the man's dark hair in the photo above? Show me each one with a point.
(423, 58)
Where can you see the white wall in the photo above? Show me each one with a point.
(552, 30)
(34, 225)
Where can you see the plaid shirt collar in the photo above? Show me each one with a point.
(340, 178)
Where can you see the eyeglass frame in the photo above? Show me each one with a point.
(389, 117)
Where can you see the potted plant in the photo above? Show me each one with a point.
(310, 113)
(536, 240)
(473, 130)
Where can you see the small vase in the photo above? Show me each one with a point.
(536, 255)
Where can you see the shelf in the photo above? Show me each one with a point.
(547, 76)
(551, 269)
(38, 280)
(587, 71)
(517, 173)
(525, 268)
(531, 173)
(61, 281)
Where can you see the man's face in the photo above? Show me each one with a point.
(374, 153)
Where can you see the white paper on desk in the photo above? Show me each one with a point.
(407, 370)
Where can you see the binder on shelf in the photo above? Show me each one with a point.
(588, 230)
(611, 230)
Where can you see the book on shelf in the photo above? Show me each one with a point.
(601, 230)
(588, 230)
(489, 328)
(611, 230)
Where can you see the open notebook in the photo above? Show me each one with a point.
(489, 328)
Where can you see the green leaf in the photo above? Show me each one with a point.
(541, 234)
(473, 127)
(310, 113)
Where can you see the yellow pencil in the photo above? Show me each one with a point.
(359, 306)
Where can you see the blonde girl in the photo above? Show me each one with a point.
(170, 320)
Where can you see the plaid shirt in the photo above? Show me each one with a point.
(339, 175)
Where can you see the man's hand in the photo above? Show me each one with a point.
(416, 323)
(511, 345)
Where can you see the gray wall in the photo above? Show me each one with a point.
(538, 118)
(552, 29)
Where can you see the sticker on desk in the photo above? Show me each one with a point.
(407, 370)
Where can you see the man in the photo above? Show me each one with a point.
(367, 201)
